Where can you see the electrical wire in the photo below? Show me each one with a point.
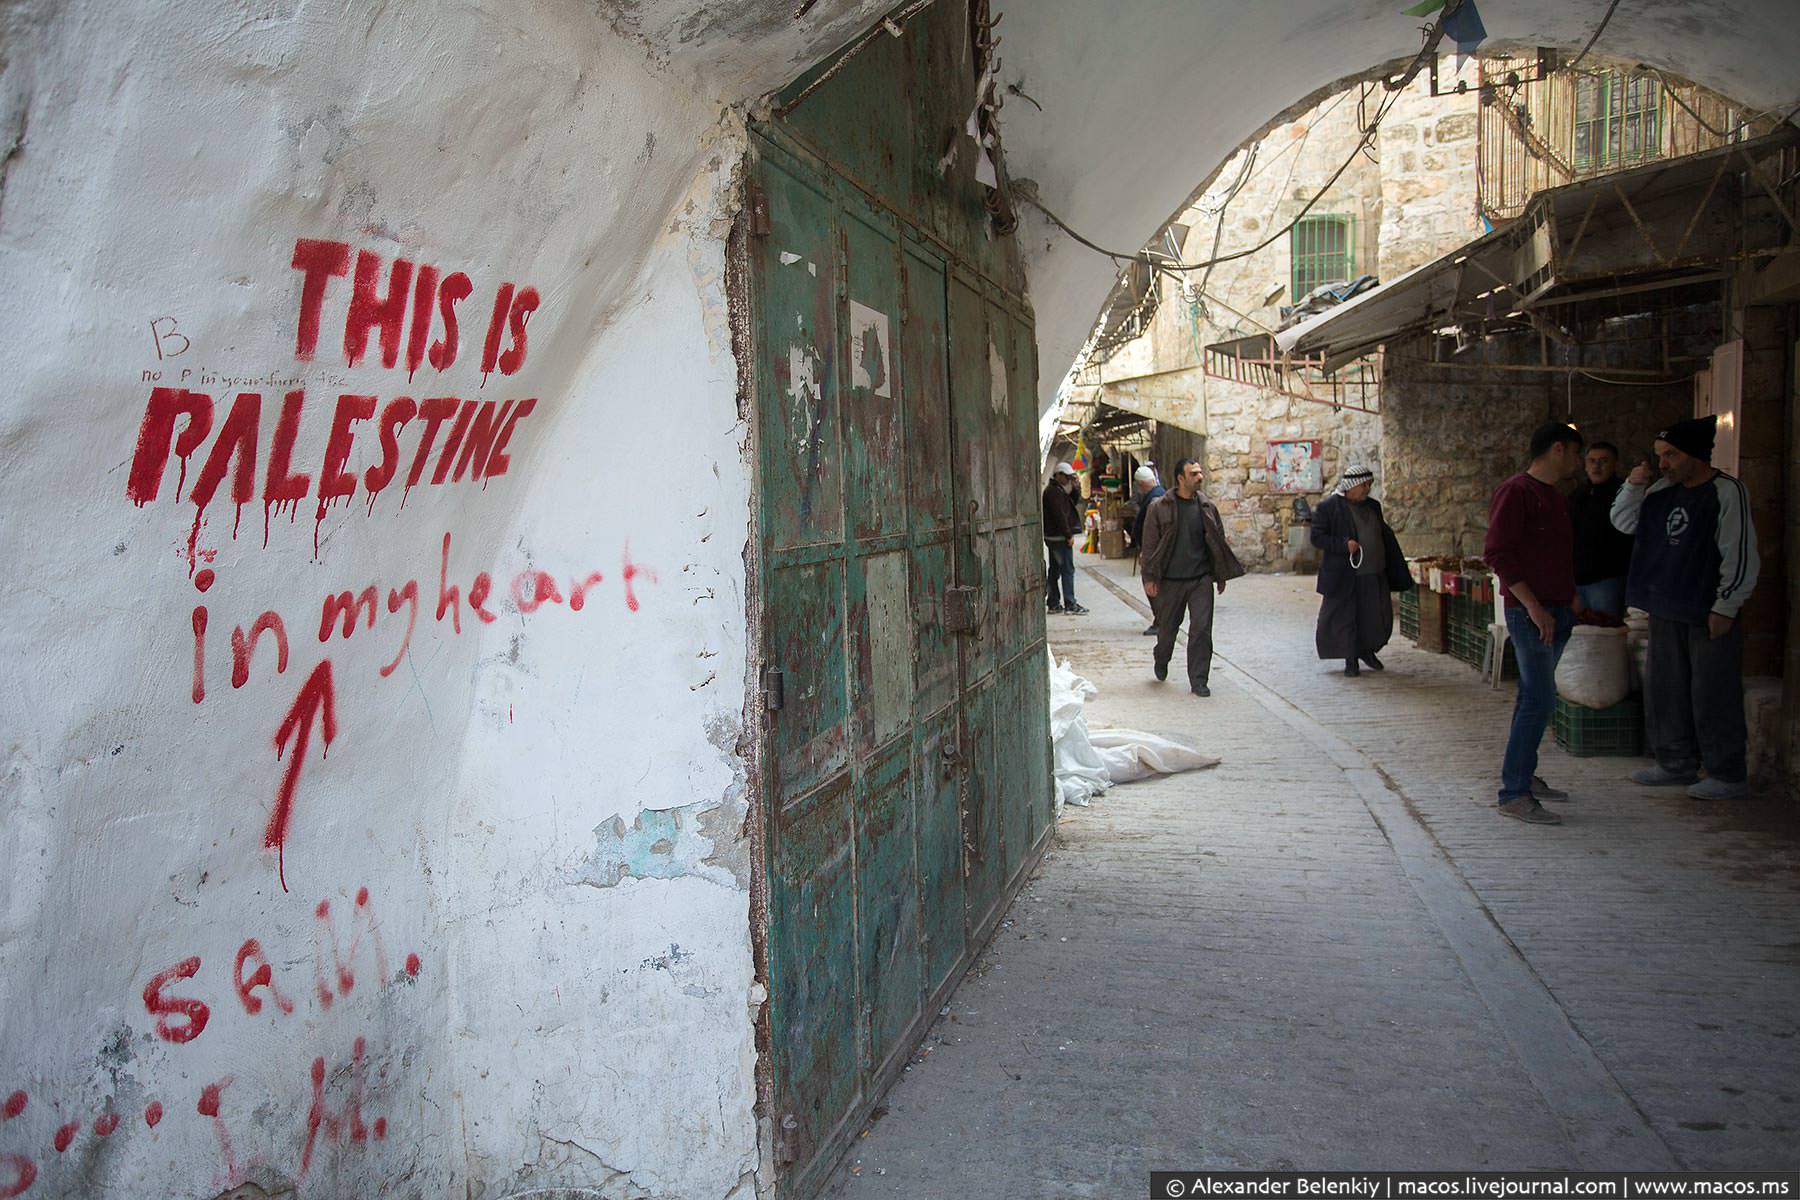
(1633, 382)
(1598, 30)
(1395, 86)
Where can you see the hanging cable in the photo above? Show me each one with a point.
(1598, 30)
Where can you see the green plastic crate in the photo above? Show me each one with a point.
(1616, 732)
(1409, 614)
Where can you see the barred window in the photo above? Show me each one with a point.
(1618, 120)
(1323, 249)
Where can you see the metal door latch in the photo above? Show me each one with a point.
(758, 207)
(774, 691)
(960, 610)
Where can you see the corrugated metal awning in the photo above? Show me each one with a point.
(1665, 224)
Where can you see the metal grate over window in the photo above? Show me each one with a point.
(1618, 120)
(1323, 250)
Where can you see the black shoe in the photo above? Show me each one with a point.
(1054, 608)
(1075, 610)
(1200, 689)
(1150, 630)
(1351, 669)
(1373, 663)
(1162, 671)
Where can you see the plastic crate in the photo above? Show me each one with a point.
(1616, 732)
(1409, 613)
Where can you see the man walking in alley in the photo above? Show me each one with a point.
(1062, 524)
(1693, 564)
(1530, 546)
(1149, 491)
(1185, 561)
(1602, 553)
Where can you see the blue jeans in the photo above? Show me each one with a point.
(1537, 694)
(1606, 595)
(1062, 567)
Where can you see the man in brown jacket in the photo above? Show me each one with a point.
(1185, 563)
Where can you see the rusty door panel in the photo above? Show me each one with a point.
(939, 774)
(1012, 698)
(889, 951)
(983, 862)
(882, 629)
(1002, 388)
(929, 459)
(803, 480)
(874, 445)
(935, 651)
(814, 971)
(969, 402)
(1008, 622)
(810, 738)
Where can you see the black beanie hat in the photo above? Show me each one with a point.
(1693, 437)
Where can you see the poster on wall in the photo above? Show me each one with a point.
(1295, 466)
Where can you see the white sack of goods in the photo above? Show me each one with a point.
(1595, 671)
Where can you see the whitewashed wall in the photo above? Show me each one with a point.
(497, 937)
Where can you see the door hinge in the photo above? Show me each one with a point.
(757, 206)
(774, 691)
(787, 1143)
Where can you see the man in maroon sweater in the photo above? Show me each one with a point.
(1530, 546)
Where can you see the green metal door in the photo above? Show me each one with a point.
(906, 762)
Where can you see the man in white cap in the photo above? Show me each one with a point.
(1148, 491)
(1361, 565)
(1062, 523)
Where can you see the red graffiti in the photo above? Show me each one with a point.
(243, 648)
(65, 1136)
(24, 1175)
(105, 1123)
(348, 608)
(15, 1103)
(153, 1113)
(342, 964)
(314, 701)
(408, 595)
(412, 965)
(193, 1013)
(383, 310)
(321, 261)
(541, 590)
(630, 572)
(262, 977)
(178, 421)
(208, 1106)
(344, 1124)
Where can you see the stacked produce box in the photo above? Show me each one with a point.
(1452, 609)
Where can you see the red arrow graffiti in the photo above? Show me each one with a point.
(315, 700)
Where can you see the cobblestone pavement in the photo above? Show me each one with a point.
(1330, 951)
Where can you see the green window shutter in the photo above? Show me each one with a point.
(1323, 249)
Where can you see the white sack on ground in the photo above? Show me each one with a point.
(1088, 762)
(1129, 754)
(1595, 671)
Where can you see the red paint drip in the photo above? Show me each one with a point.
(153, 1113)
(15, 1104)
(412, 965)
(209, 1099)
(199, 690)
(66, 1136)
(204, 579)
(380, 1128)
(105, 1123)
